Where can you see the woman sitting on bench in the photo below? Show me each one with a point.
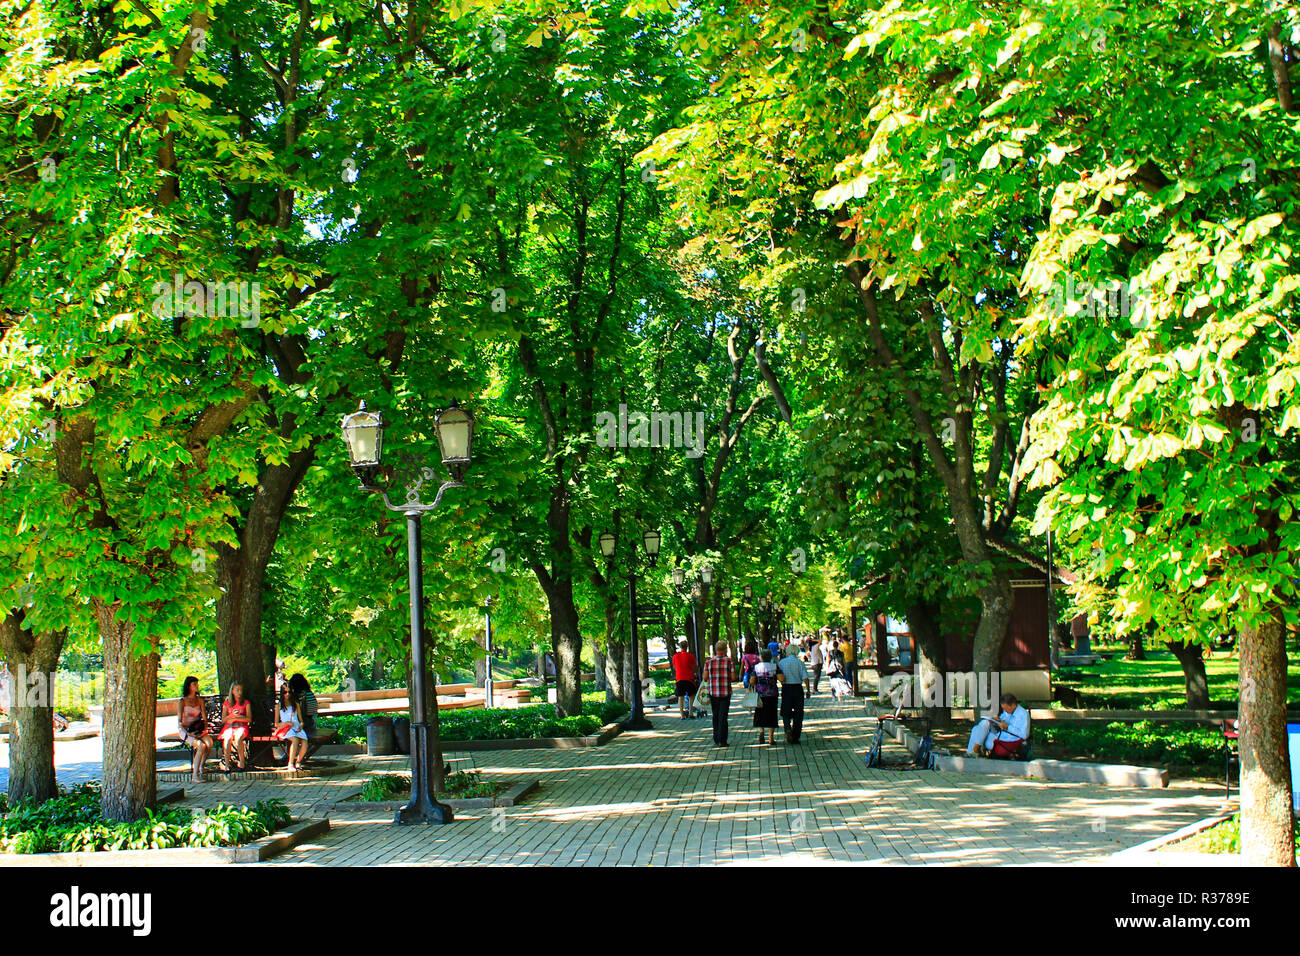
(235, 723)
(290, 729)
(1002, 735)
(193, 721)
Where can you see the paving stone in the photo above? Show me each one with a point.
(667, 797)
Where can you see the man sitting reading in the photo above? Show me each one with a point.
(1002, 735)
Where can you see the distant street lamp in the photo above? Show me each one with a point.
(363, 434)
(636, 719)
(487, 635)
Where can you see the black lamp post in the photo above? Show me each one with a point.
(363, 433)
(726, 610)
(636, 719)
(746, 617)
(487, 641)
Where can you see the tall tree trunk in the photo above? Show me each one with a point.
(615, 662)
(566, 643)
(241, 575)
(1267, 833)
(598, 664)
(931, 659)
(131, 694)
(377, 669)
(995, 619)
(557, 585)
(1136, 648)
(1194, 679)
(33, 659)
(609, 666)
(481, 663)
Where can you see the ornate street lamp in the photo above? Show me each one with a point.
(455, 439)
(363, 434)
(636, 719)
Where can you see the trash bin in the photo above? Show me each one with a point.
(379, 736)
(402, 734)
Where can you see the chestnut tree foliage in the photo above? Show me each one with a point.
(935, 277)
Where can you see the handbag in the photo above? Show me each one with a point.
(702, 696)
(750, 700)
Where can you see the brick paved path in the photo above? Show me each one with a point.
(667, 796)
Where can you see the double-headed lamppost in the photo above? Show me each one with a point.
(695, 596)
(363, 433)
(636, 719)
(487, 643)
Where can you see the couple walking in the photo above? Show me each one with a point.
(764, 678)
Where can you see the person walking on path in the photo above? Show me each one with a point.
(765, 683)
(717, 678)
(815, 659)
(684, 673)
(794, 681)
(747, 662)
(850, 663)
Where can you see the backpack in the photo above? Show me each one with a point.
(765, 684)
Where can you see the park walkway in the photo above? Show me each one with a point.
(667, 796)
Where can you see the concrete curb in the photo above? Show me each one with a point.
(254, 852)
(607, 733)
(1065, 771)
(1184, 832)
(509, 798)
(1091, 715)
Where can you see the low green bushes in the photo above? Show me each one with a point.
(383, 787)
(1196, 747)
(72, 822)
(498, 723)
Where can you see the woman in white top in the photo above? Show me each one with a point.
(290, 728)
(766, 683)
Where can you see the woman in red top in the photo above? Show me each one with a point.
(684, 670)
(235, 722)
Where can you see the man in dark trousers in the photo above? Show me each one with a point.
(794, 682)
(717, 678)
(684, 670)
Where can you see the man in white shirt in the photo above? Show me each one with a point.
(794, 680)
(1002, 735)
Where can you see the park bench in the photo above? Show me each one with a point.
(260, 741)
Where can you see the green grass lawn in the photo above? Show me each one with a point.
(1184, 749)
(1157, 682)
(1224, 837)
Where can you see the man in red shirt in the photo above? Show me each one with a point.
(684, 672)
(717, 677)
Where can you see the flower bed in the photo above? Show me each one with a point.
(72, 822)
